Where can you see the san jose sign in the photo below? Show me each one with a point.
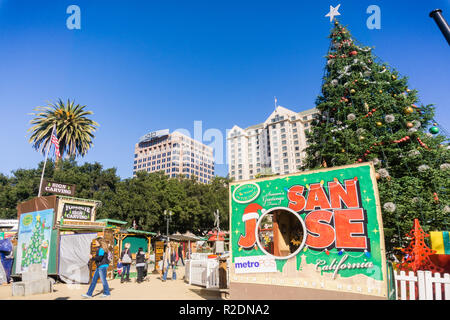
(338, 237)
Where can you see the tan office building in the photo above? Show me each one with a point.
(274, 146)
(175, 154)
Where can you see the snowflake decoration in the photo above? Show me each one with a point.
(389, 118)
(383, 172)
(389, 207)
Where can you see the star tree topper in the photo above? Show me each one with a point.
(333, 12)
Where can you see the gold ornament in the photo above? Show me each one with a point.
(394, 77)
(409, 124)
(352, 91)
(343, 150)
(366, 106)
(361, 138)
(377, 176)
(381, 91)
(379, 124)
(409, 110)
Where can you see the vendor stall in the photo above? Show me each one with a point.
(311, 235)
(57, 232)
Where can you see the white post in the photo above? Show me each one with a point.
(428, 285)
(45, 161)
(421, 285)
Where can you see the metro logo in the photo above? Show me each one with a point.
(254, 264)
(333, 220)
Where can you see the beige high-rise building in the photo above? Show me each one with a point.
(274, 146)
(175, 154)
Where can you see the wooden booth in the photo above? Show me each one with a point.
(57, 232)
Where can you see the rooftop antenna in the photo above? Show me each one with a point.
(275, 101)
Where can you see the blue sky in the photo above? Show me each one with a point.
(141, 66)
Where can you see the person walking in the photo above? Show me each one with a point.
(169, 261)
(125, 259)
(140, 264)
(102, 261)
(181, 252)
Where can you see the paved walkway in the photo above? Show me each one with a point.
(152, 289)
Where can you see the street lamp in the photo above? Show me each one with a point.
(168, 218)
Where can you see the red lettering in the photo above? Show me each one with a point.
(349, 225)
(348, 196)
(317, 198)
(249, 240)
(296, 199)
(316, 223)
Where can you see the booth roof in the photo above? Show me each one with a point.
(130, 230)
(112, 221)
(184, 237)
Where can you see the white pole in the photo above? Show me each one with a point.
(45, 161)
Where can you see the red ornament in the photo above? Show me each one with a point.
(353, 53)
(327, 252)
(436, 198)
(360, 160)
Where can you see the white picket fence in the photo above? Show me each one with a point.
(204, 272)
(422, 286)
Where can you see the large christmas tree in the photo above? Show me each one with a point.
(368, 113)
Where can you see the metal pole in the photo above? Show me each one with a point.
(45, 161)
(442, 24)
(167, 231)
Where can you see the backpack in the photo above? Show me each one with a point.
(110, 256)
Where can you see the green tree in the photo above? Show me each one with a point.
(368, 113)
(74, 129)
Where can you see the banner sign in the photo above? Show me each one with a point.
(33, 245)
(159, 253)
(9, 223)
(58, 188)
(81, 223)
(76, 211)
(318, 229)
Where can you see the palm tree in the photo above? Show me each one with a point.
(74, 130)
